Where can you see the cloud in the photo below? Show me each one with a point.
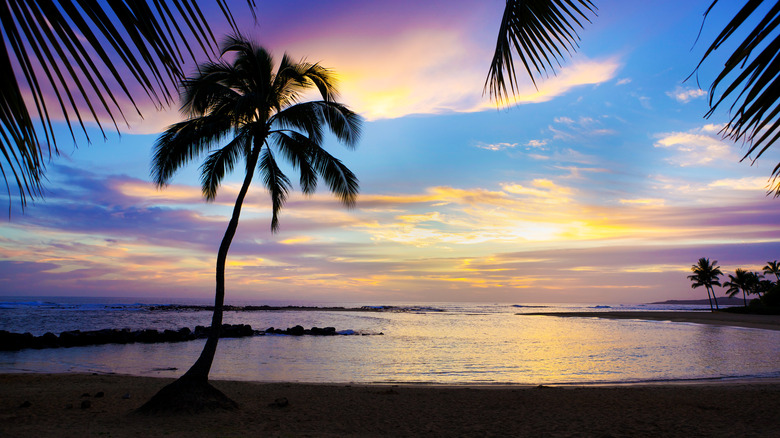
(399, 75)
(697, 147)
(685, 95)
(747, 183)
(623, 81)
(536, 143)
(496, 146)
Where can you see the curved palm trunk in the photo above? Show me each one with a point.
(191, 391)
(744, 297)
(709, 298)
(201, 368)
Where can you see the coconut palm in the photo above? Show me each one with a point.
(248, 111)
(63, 50)
(744, 281)
(542, 33)
(773, 268)
(706, 274)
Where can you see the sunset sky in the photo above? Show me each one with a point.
(603, 186)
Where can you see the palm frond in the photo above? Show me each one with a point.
(296, 148)
(221, 162)
(305, 117)
(539, 32)
(65, 48)
(184, 141)
(276, 182)
(341, 181)
(750, 80)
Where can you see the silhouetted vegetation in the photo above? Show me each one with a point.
(249, 110)
(767, 292)
(542, 33)
(706, 274)
(90, 54)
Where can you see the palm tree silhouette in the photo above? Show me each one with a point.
(772, 267)
(246, 110)
(66, 48)
(706, 274)
(542, 33)
(744, 281)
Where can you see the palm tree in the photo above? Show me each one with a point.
(706, 274)
(540, 31)
(772, 267)
(744, 281)
(65, 48)
(246, 110)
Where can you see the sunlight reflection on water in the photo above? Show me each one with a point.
(442, 347)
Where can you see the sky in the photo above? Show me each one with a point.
(604, 185)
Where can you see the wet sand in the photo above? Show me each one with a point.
(43, 405)
(767, 322)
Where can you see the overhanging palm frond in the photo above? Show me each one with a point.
(539, 32)
(750, 80)
(60, 51)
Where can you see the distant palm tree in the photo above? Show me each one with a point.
(64, 49)
(744, 281)
(763, 287)
(773, 267)
(706, 274)
(542, 33)
(247, 110)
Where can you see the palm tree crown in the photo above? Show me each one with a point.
(706, 274)
(773, 268)
(744, 281)
(257, 108)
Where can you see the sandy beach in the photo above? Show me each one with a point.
(43, 405)
(767, 322)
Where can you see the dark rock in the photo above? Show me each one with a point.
(25, 404)
(99, 394)
(148, 336)
(185, 334)
(201, 332)
(15, 341)
(71, 338)
(86, 404)
(236, 331)
(296, 331)
(49, 340)
(327, 331)
(171, 336)
(86, 394)
(126, 396)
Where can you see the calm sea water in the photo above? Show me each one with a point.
(446, 343)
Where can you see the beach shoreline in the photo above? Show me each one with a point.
(50, 405)
(765, 322)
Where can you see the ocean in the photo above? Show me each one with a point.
(438, 343)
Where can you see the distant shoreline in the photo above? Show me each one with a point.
(765, 322)
(723, 301)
